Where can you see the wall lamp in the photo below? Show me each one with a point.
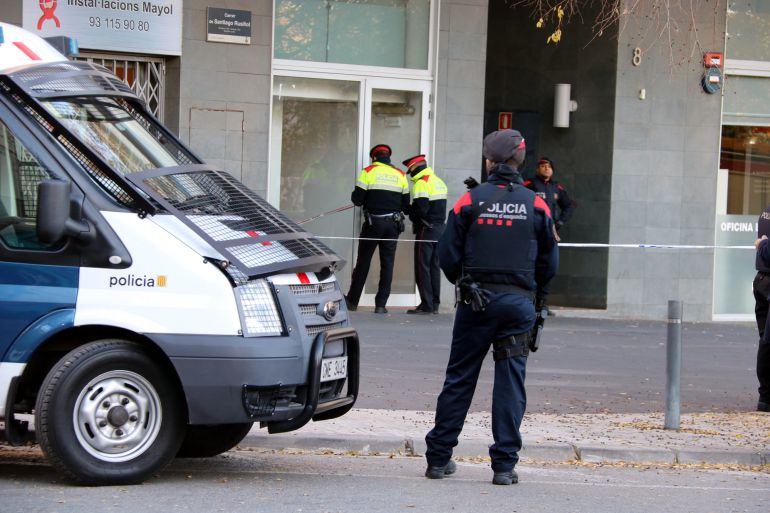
(563, 105)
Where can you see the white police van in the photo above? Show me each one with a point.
(150, 306)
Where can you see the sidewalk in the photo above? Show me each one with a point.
(703, 438)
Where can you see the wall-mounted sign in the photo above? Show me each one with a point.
(228, 26)
(136, 26)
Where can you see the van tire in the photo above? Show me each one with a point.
(107, 414)
(207, 441)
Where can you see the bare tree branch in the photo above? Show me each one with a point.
(662, 21)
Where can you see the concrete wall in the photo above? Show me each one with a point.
(218, 95)
(459, 101)
(522, 69)
(665, 161)
(11, 12)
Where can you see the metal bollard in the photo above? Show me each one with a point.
(673, 364)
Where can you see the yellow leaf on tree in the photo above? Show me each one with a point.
(539, 23)
(560, 12)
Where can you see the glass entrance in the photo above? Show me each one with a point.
(397, 118)
(322, 131)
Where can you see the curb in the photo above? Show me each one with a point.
(478, 448)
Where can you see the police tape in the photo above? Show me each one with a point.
(567, 244)
(647, 246)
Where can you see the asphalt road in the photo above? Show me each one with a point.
(254, 481)
(583, 366)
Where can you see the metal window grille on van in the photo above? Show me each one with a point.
(244, 228)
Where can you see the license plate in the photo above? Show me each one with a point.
(334, 368)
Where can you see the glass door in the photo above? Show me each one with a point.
(396, 114)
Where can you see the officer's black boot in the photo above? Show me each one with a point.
(438, 472)
(505, 478)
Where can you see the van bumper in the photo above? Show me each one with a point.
(274, 380)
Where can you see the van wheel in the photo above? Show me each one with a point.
(207, 441)
(106, 414)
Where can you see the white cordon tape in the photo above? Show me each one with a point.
(571, 244)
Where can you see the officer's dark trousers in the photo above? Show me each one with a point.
(761, 307)
(427, 272)
(382, 228)
(472, 336)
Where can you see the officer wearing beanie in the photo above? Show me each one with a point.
(500, 236)
(383, 192)
(554, 193)
(427, 214)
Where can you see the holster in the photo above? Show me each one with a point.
(510, 347)
(398, 218)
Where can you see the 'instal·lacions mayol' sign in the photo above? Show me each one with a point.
(135, 26)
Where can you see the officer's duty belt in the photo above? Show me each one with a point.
(511, 347)
(506, 288)
(384, 215)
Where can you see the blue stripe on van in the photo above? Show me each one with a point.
(31, 291)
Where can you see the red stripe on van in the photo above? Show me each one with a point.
(29, 53)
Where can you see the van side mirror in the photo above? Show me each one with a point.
(53, 213)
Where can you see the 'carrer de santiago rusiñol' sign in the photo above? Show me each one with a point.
(228, 26)
(136, 26)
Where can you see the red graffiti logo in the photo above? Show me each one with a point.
(48, 7)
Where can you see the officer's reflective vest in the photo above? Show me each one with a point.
(426, 185)
(385, 186)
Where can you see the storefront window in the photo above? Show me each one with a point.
(390, 33)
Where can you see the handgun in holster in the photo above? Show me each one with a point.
(469, 292)
(537, 329)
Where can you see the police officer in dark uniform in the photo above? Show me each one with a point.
(554, 193)
(499, 245)
(762, 307)
(383, 191)
(555, 196)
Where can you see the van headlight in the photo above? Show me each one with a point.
(259, 313)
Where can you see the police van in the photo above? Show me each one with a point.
(150, 305)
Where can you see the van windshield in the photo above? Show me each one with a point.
(125, 139)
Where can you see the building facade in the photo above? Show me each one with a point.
(290, 98)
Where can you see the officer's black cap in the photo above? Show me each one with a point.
(380, 149)
(502, 145)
